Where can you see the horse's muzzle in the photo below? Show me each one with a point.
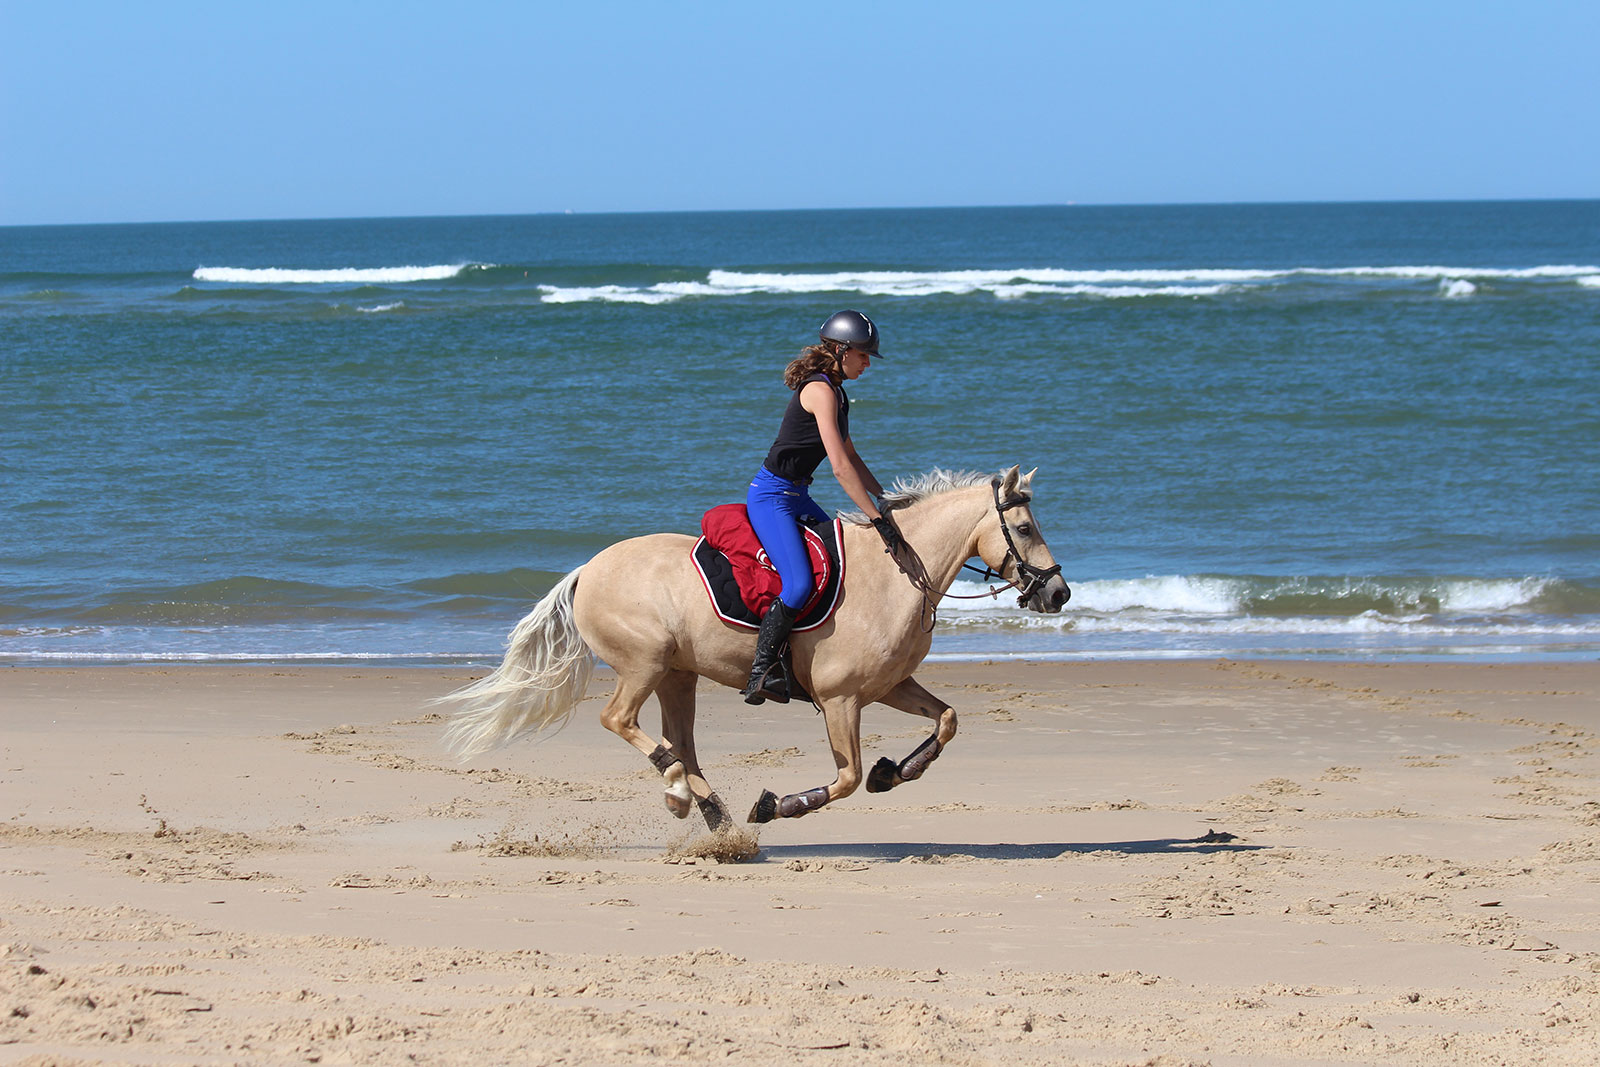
(1052, 598)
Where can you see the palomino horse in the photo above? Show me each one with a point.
(641, 606)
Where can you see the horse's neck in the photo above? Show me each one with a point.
(944, 532)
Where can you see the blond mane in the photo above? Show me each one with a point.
(913, 490)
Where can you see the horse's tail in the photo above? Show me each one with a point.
(545, 671)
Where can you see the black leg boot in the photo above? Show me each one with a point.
(768, 679)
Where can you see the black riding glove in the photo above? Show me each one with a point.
(892, 541)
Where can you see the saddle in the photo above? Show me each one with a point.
(742, 583)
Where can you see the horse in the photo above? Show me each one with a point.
(641, 606)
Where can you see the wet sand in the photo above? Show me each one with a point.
(1114, 863)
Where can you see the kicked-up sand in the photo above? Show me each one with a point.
(1114, 863)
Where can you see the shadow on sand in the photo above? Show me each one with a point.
(894, 851)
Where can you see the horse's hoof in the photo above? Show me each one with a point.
(766, 807)
(678, 795)
(715, 813)
(881, 778)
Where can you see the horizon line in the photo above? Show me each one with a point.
(807, 210)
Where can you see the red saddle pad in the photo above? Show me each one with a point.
(743, 583)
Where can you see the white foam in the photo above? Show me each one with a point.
(1160, 594)
(1173, 604)
(1013, 283)
(1591, 281)
(383, 307)
(891, 282)
(617, 294)
(665, 292)
(985, 279)
(1366, 624)
(1491, 596)
(1167, 593)
(1548, 271)
(337, 275)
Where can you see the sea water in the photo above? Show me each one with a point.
(1358, 430)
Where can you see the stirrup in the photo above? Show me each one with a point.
(773, 685)
(779, 685)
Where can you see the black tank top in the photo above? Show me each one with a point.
(799, 450)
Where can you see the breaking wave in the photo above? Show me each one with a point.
(1271, 605)
(333, 276)
(1453, 282)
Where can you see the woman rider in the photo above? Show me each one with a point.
(815, 424)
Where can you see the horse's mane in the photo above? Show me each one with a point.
(908, 491)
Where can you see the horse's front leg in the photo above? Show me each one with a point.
(843, 716)
(910, 697)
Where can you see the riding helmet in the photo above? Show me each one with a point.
(851, 328)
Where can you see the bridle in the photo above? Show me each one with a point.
(1029, 579)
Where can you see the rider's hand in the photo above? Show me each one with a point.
(892, 541)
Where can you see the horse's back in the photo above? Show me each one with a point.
(647, 568)
(650, 550)
(636, 598)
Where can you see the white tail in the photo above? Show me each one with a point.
(546, 669)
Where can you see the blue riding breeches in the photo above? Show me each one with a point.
(776, 507)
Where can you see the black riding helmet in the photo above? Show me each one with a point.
(853, 329)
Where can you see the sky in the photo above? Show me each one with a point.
(165, 111)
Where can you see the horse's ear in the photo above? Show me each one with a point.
(1027, 479)
(1009, 478)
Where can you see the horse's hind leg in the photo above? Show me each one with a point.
(910, 697)
(621, 717)
(676, 694)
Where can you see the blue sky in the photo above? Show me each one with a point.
(125, 112)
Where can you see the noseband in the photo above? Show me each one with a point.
(1029, 579)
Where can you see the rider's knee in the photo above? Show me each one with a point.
(798, 590)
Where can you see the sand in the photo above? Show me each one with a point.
(1114, 863)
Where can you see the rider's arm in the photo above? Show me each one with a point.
(857, 482)
(861, 469)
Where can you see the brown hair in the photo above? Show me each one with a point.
(817, 359)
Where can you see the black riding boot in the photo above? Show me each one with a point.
(769, 680)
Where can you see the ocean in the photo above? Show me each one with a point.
(1365, 431)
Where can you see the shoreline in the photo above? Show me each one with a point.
(1209, 861)
(488, 660)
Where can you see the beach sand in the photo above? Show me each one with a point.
(1114, 863)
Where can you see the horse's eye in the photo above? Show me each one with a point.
(1025, 530)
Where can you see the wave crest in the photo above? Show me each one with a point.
(1276, 603)
(332, 276)
(1012, 283)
